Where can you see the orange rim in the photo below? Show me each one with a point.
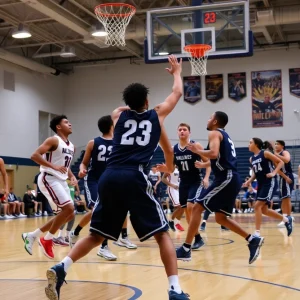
(197, 50)
(98, 9)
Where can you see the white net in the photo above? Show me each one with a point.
(198, 58)
(115, 17)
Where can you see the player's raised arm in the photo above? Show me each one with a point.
(168, 105)
(117, 112)
(86, 159)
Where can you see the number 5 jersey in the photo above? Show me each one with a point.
(61, 156)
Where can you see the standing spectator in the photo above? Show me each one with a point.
(18, 207)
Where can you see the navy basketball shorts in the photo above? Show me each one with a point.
(286, 188)
(220, 196)
(91, 192)
(188, 192)
(123, 190)
(265, 190)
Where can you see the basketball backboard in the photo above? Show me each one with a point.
(224, 26)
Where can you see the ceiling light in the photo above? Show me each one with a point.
(21, 32)
(67, 52)
(98, 31)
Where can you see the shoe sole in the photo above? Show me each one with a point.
(257, 251)
(50, 290)
(185, 259)
(123, 245)
(43, 249)
(107, 258)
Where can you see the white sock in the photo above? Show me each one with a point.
(204, 221)
(67, 261)
(285, 219)
(49, 236)
(257, 233)
(250, 238)
(67, 233)
(174, 284)
(284, 215)
(60, 233)
(176, 221)
(36, 233)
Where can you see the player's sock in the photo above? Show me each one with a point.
(67, 261)
(257, 233)
(249, 238)
(285, 219)
(198, 238)
(104, 244)
(67, 233)
(176, 221)
(186, 247)
(77, 230)
(124, 233)
(60, 233)
(48, 236)
(174, 284)
(36, 233)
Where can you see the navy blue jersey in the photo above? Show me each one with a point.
(101, 150)
(226, 159)
(261, 167)
(136, 137)
(185, 159)
(287, 168)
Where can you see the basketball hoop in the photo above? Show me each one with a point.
(198, 58)
(115, 17)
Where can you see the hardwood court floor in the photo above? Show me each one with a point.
(219, 271)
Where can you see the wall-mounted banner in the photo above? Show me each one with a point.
(267, 110)
(214, 87)
(294, 75)
(192, 89)
(237, 86)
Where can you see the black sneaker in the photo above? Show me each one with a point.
(203, 226)
(174, 296)
(172, 226)
(289, 225)
(223, 228)
(183, 255)
(198, 244)
(254, 248)
(56, 278)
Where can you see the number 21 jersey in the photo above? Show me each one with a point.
(136, 137)
(62, 156)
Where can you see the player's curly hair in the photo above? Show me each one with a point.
(105, 123)
(135, 95)
(56, 121)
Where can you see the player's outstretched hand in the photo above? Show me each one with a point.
(82, 173)
(61, 169)
(162, 168)
(73, 181)
(175, 65)
(194, 147)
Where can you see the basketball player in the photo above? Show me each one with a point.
(123, 186)
(285, 186)
(54, 156)
(191, 184)
(4, 176)
(220, 196)
(91, 168)
(262, 164)
(172, 181)
(155, 179)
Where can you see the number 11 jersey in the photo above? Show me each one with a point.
(61, 156)
(136, 137)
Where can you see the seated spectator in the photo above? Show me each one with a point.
(4, 205)
(17, 206)
(250, 196)
(30, 201)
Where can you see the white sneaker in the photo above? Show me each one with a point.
(233, 210)
(239, 211)
(169, 211)
(22, 216)
(281, 224)
(125, 243)
(73, 239)
(29, 241)
(45, 213)
(106, 253)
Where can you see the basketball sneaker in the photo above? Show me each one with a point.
(28, 242)
(183, 255)
(60, 242)
(73, 239)
(203, 226)
(179, 227)
(56, 278)
(47, 247)
(174, 296)
(125, 243)
(106, 254)
(289, 225)
(171, 225)
(254, 248)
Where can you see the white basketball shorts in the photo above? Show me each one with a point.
(55, 190)
(174, 196)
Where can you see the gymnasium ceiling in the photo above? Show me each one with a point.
(58, 23)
